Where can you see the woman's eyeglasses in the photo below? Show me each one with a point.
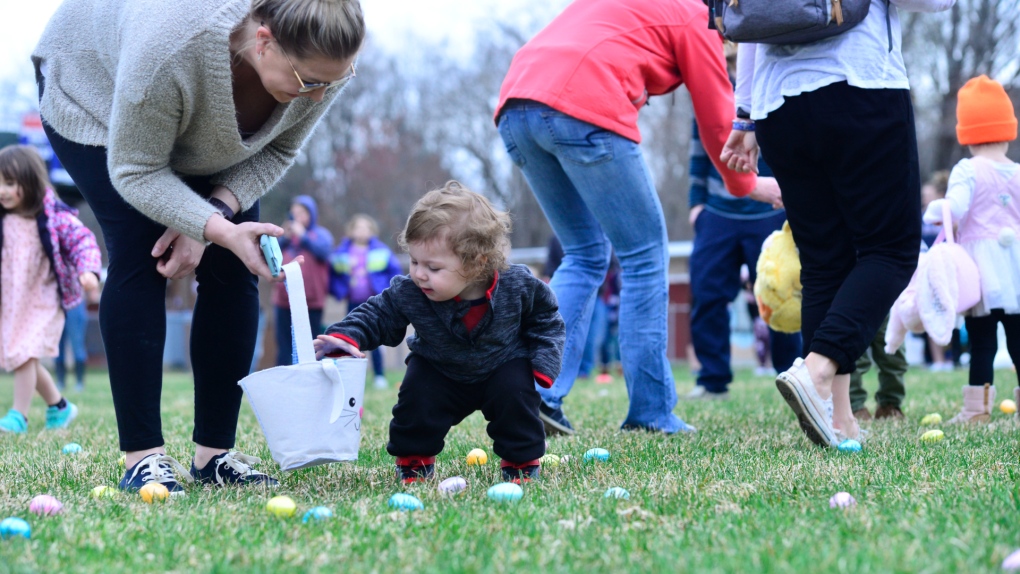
(307, 87)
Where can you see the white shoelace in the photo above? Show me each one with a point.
(239, 463)
(153, 467)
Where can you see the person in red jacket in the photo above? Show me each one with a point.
(568, 112)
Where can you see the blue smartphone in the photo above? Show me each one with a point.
(271, 251)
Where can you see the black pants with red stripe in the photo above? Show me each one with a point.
(429, 404)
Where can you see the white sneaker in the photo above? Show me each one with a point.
(381, 382)
(813, 413)
(700, 393)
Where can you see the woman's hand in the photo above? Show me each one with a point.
(178, 254)
(89, 281)
(326, 344)
(741, 152)
(695, 212)
(768, 192)
(243, 241)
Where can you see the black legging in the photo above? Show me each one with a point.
(132, 313)
(984, 343)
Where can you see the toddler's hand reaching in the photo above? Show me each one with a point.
(327, 345)
(89, 281)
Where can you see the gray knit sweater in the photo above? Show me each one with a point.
(150, 80)
(523, 323)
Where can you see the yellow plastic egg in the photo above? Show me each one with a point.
(281, 506)
(477, 457)
(550, 460)
(154, 492)
(934, 435)
(104, 491)
(931, 419)
(1007, 406)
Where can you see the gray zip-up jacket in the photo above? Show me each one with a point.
(523, 322)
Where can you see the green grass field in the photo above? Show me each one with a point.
(747, 493)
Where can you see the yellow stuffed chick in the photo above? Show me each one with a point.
(777, 288)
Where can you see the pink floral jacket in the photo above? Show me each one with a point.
(70, 246)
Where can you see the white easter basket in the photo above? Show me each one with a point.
(310, 412)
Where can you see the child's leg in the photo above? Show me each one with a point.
(510, 405)
(428, 405)
(983, 345)
(45, 386)
(25, 380)
(1011, 323)
(891, 369)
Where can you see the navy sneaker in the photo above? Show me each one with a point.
(155, 468)
(555, 421)
(232, 468)
(415, 468)
(520, 472)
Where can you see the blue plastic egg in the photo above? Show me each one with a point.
(71, 448)
(405, 502)
(596, 454)
(317, 513)
(617, 492)
(849, 445)
(505, 492)
(11, 527)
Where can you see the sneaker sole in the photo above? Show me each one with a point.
(809, 421)
(552, 427)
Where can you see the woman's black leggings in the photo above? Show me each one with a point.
(982, 332)
(132, 313)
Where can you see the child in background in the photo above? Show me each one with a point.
(891, 390)
(360, 267)
(47, 259)
(983, 197)
(485, 333)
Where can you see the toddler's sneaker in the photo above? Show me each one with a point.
(813, 413)
(521, 472)
(415, 468)
(61, 418)
(14, 423)
(155, 468)
(232, 468)
(381, 382)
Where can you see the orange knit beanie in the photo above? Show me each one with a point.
(984, 113)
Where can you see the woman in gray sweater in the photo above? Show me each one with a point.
(173, 118)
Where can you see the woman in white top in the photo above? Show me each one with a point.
(173, 118)
(836, 124)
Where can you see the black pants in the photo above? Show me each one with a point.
(984, 343)
(429, 404)
(132, 313)
(846, 161)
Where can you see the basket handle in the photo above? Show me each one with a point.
(947, 221)
(299, 313)
(339, 392)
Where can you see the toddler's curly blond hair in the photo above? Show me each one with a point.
(474, 230)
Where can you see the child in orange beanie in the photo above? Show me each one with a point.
(983, 196)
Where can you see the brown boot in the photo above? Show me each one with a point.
(888, 412)
(862, 414)
(977, 403)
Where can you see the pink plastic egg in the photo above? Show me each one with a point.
(45, 505)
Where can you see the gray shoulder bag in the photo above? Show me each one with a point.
(785, 21)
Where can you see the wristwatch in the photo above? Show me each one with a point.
(223, 208)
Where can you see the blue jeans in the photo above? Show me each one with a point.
(596, 337)
(597, 193)
(75, 321)
(721, 245)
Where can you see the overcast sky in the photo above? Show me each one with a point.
(394, 23)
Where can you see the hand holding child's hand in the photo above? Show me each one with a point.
(933, 213)
(326, 344)
(89, 281)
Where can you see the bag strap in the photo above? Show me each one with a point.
(302, 333)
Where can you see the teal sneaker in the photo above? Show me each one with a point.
(60, 418)
(14, 423)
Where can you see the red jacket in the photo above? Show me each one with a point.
(600, 60)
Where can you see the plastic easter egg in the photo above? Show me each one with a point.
(154, 492)
(477, 457)
(617, 492)
(565, 459)
(12, 527)
(842, 500)
(71, 448)
(104, 491)
(1012, 562)
(316, 514)
(505, 492)
(597, 455)
(932, 419)
(453, 485)
(934, 435)
(281, 506)
(1007, 406)
(849, 445)
(122, 461)
(45, 505)
(405, 502)
(550, 460)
